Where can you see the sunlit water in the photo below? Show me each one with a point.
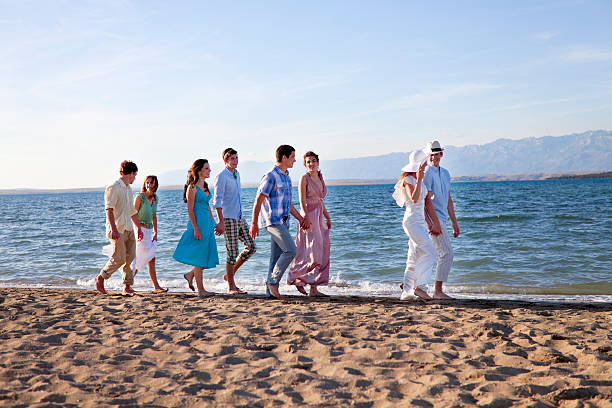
(539, 240)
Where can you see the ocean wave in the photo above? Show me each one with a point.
(592, 292)
(500, 217)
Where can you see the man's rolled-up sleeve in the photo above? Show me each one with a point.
(219, 192)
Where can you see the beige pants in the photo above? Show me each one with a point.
(124, 251)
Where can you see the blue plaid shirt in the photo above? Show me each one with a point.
(276, 185)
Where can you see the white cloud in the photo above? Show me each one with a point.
(586, 54)
(545, 35)
(436, 95)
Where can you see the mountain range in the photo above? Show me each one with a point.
(590, 151)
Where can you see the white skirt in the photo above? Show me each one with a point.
(145, 250)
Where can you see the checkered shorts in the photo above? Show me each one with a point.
(237, 230)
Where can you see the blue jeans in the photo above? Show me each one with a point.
(282, 252)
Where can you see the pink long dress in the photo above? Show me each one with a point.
(311, 263)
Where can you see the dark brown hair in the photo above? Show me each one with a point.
(193, 176)
(144, 184)
(227, 153)
(283, 151)
(127, 167)
(310, 154)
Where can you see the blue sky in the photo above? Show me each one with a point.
(85, 84)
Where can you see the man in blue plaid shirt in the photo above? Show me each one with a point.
(271, 211)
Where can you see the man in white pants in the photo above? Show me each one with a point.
(438, 210)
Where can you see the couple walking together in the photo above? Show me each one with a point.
(424, 188)
(308, 257)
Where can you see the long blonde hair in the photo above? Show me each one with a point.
(407, 173)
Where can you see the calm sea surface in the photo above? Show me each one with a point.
(530, 240)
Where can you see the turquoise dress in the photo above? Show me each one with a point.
(203, 252)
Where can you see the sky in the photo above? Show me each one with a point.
(87, 84)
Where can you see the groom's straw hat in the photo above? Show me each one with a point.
(434, 147)
(416, 159)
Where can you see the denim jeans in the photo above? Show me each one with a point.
(282, 252)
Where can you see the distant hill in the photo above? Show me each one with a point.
(585, 152)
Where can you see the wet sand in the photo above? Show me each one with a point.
(73, 348)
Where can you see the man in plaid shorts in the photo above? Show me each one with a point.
(229, 209)
(273, 200)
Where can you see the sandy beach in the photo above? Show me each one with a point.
(73, 348)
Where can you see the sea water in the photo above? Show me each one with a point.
(536, 240)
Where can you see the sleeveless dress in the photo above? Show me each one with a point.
(146, 247)
(203, 252)
(422, 254)
(311, 263)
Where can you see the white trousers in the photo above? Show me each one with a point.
(421, 256)
(445, 253)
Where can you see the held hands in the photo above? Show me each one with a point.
(305, 222)
(435, 228)
(196, 234)
(219, 228)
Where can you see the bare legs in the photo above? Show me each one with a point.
(153, 276)
(230, 272)
(273, 289)
(197, 273)
(420, 293)
(314, 291)
(438, 293)
(99, 279)
(100, 284)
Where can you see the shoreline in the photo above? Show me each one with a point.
(353, 182)
(78, 348)
(536, 298)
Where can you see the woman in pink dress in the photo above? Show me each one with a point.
(311, 264)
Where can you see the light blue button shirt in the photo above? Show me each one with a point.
(227, 194)
(437, 180)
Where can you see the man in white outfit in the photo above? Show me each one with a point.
(439, 208)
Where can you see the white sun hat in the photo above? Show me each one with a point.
(416, 158)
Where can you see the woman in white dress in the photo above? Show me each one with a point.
(411, 192)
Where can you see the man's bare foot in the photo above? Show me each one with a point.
(204, 294)
(128, 291)
(314, 292)
(442, 296)
(420, 293)
(160, 290)
(301, 290)
(273, 289)
(189, 278)
(100, 285)
(236, 291)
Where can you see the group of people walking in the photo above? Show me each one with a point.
(131, 224)
(307, 256)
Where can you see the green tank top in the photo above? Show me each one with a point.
(146, 211)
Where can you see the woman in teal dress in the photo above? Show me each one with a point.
(198, 246)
